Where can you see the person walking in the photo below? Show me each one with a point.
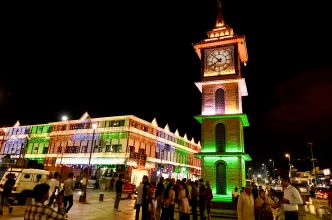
(184, 198)
(245, 205)
(208, 197)
(37, 210)
(263, 206)
(118, 190)
(159, 197)
(291, 200)
(54, 188)
(68, 193)
(7, 189)
(235, 197)
(146, 198)
(201, 199)
(112, 183)
(138, 202)
(194, 199)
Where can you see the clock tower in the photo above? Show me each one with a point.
(222, 55)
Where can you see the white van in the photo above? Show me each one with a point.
(25, 181)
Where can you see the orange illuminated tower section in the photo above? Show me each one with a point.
(222, 56)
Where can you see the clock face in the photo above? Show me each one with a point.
(219, 61)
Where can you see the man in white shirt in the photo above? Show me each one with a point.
(245, 205)
(291, 200)
(69, 187)
(139, 198)
(54, 188)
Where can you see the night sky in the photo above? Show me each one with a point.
(136, 58)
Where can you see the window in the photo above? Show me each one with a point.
(220, 102)
(108, 148)
(221, 177)
(117, 148)
(220, 137)
(26, 178)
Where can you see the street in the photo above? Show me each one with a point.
(94, 209)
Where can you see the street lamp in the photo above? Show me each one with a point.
(249, 173)
(64, 118)
(274, 173)
(264, 170)
(289, 164)
(312, 159)
(94, 126)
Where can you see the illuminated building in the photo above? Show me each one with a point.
(222, 55)
(126, 143)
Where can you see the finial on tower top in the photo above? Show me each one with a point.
(220, 19)
(221, 30)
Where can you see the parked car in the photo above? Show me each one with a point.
(323, 192)
(128, 189)
(25, 181)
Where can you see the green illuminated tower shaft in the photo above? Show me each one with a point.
(222, 56)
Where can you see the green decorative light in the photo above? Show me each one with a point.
(234, 161)
(40, 160)
(229, 148)
(225, 155)
(243, 118)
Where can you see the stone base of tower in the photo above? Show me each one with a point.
(223, 210)
(222, 205)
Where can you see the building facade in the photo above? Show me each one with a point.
(102, 146)
(222, 56)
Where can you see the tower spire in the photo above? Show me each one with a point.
(220, 19)
(221, 30)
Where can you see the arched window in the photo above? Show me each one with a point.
(220, 138)
(221, 178)
(220, 101)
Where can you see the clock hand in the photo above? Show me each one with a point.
(215, 56)
(218, 61)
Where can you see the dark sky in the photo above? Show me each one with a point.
(136, 57)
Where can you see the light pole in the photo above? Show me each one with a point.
(249, 173)
(94, 126)
(289, 164)
(63, 118)
(264, 170)
(274, 172)
(312, 159)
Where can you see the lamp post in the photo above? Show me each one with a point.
(312, 159)
(249, 173)
(63, 118)
(264, 170)
(94, 126)
(274, 172)
(289, 164)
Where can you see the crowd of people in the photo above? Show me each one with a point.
(189, 197)
(258, 203)
(250, 203)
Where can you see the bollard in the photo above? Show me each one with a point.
(81, 199)
(101, 197)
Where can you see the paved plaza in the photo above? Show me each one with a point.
(95, 209)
